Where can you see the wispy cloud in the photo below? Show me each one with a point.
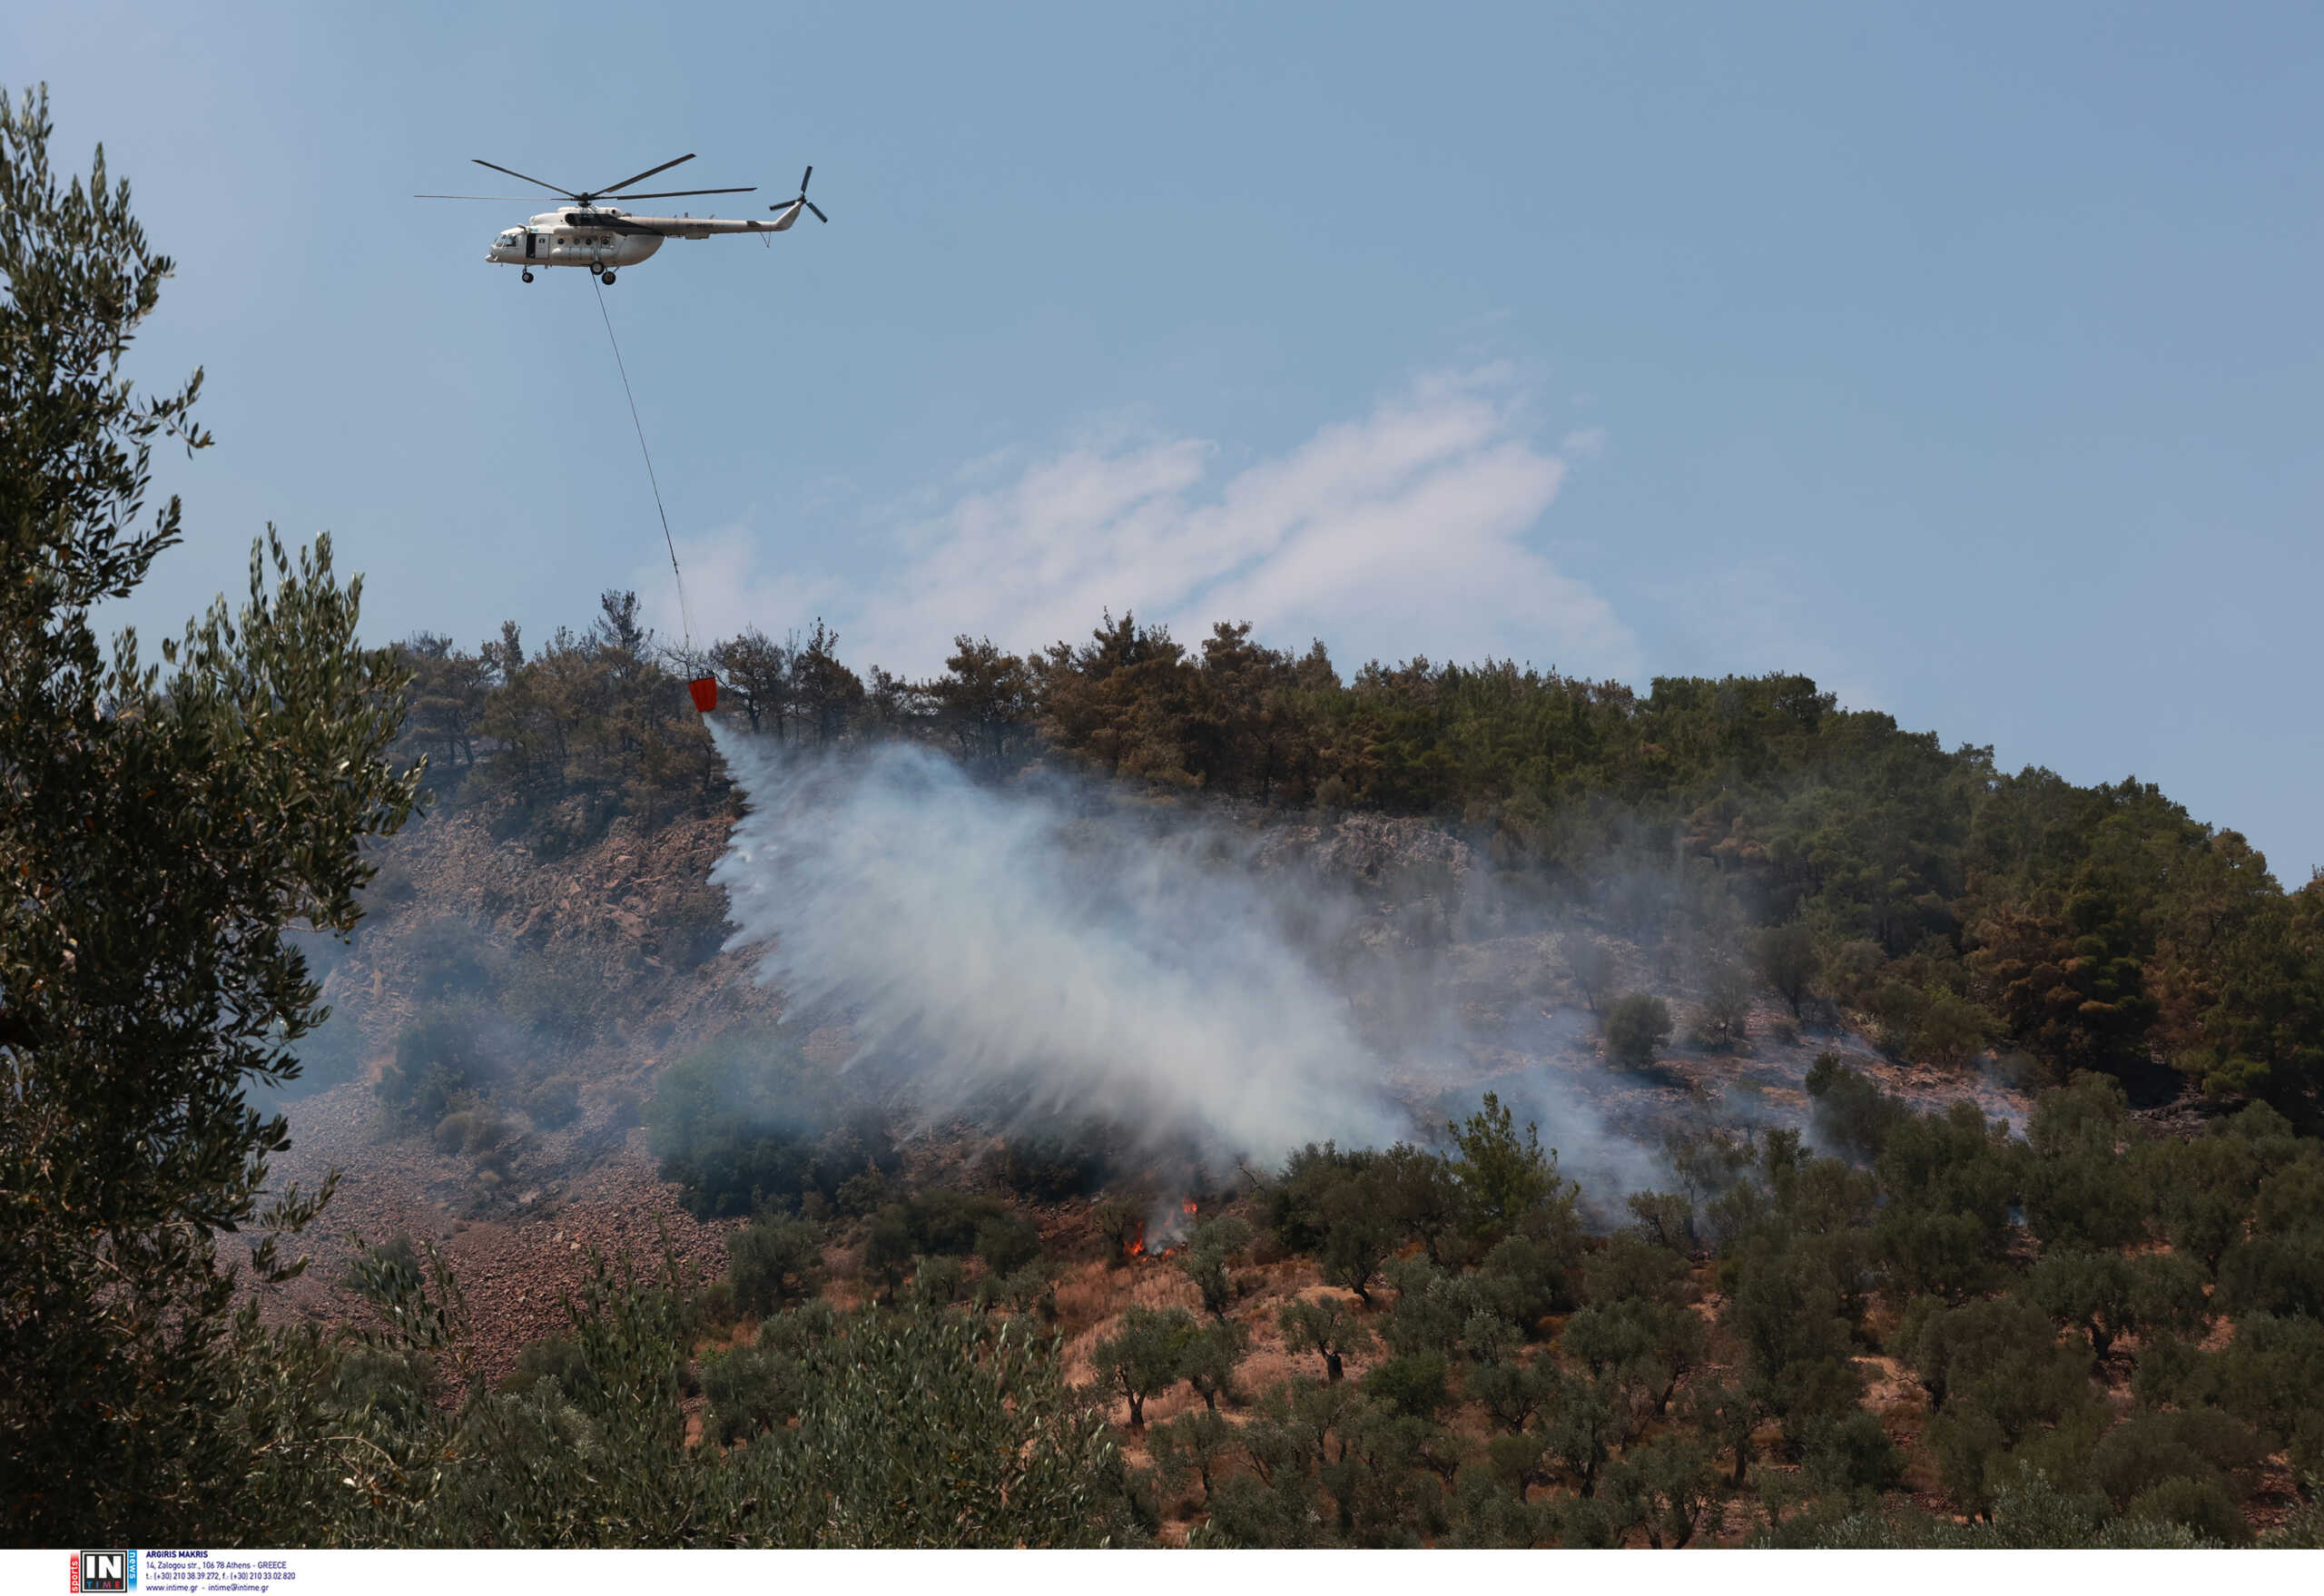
(727, 591)
(1409, 531)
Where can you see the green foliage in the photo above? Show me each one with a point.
(161, 828)
(1006, 1242)
(2068, 985)
(1192, 1446)
(1595, 973)
(1788, 962)
(554, 1363)
(1050, 1165)
(1147, 1354)
(1668, 1488)
(1323, 1326)
(584, 731)
(2203, 1508)
(2030, 1514)
(1851, 1112)
(753, 1390)
(1950, 1180)
(2180, 1467)
(1410, 1383)
(2080, 1188)
(441, 1060)
(1637, 1025)
(554, 1102)
(2000, 1384)
(1211, 1356)
(1341, 1206)
(1852, 1457)
(746, 1123)
(1215, 1241)
(945, 1223)
(1722, 1019)
(1504, 1177)
(2106, 1295)
(774, 1263)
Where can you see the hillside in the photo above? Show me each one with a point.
(541, 1054)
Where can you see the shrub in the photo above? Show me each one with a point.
(1410, 1383)
(554, 1103)
(1786, 958)
(1593, 974)
(396, 1254)
(746, 1123)
(554, 1362)
(449, 958)
(692, 928)
(1723, 1019)
(774, 1263)
(1007, 1243)
(2203, 1506)
(937, 1283)
(1050, 1165)
(624, 1108)
(477, 1132)
(752, 1390)
(1852, 1456)
(1636, 1027)
(715, 1305)
(558, 995)
(1851, 1113)
(440, 1056)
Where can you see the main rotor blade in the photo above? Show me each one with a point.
(642, 176)
(513, 199)
(810, 205)
(677, 194)
(551, 187)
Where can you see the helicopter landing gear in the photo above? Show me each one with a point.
(528, 276)
(596, 268)
(606, 278)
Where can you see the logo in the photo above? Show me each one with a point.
(105, 1571)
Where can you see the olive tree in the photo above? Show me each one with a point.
(1636, 1027)
(1146, 1355)
(161, 829)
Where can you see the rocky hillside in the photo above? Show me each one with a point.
(572, 981)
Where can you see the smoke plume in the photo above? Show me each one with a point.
(1009, 944)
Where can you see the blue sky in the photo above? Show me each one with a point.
(1966, 358)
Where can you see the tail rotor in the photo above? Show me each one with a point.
(803, 199)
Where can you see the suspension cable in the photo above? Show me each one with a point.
(685, 616)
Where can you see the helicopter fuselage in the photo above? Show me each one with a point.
(602, 238)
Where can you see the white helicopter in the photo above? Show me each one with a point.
(604, 237)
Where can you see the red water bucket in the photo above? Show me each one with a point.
(705, 693)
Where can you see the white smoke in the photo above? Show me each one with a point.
(1000, 942)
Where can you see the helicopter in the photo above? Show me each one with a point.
(604, 238)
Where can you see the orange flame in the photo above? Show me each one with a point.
(1135, 1247)
(1189, 1207)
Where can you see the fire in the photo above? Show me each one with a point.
(1135, 1247)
